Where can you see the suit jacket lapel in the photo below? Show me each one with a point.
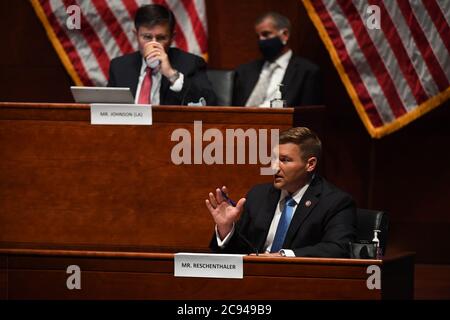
(252, 80)
(304, 208)
(267, 215)
(137, 65)
(165, 84)
(291, 73)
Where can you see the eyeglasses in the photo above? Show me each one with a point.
(158, 38)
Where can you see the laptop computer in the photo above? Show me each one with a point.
(102, 95)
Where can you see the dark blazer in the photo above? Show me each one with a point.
(302, 82)
(124, 72)
(322, 229)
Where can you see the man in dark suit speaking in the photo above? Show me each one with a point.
(157, 73)
(256, 83)
(299, 214)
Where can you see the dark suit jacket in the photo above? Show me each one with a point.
(302, 82)
(124, 72)
(322, 229)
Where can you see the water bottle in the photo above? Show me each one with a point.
(378, 250)
(278, 101)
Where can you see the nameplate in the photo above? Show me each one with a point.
(204, 265)
(121, 114)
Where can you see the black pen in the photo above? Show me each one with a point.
(228, 199)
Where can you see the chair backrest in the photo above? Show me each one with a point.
(222, 83)
(370, 220)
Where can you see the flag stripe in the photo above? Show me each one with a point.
(356, 55)
(380, 42)
(57, 37)
(131, 7)
(196, 24)
(432, 36)
(358, 58)
(444, 6)
(351, 71)
(93, 41)
(424, 46)
(201, 11)
(373, 58)
(66, 43)
(79, 43)
(418, 62)
(397, 67)
(183, 19)
(107, 31)
(122, 17)
(403, 60)
(106, 41)
(115, 29)
(180, 38)
(439, 21)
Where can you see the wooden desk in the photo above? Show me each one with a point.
(110, 200)
(41, 274)
(65, 181)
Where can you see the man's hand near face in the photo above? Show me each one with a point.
(155, 50)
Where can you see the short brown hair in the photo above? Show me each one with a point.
(308, 142)
(154, 14)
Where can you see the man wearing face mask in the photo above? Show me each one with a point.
(159, 74)
(256, 83)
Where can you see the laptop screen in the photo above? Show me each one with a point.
(102, 95)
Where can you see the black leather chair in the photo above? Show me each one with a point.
(370, 220)
(222, 83)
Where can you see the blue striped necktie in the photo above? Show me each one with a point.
(283, 224)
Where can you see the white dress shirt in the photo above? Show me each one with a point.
(277, 76)
(156, 84)
(297, 196)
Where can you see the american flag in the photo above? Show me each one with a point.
(393, 74)
(106, 32)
